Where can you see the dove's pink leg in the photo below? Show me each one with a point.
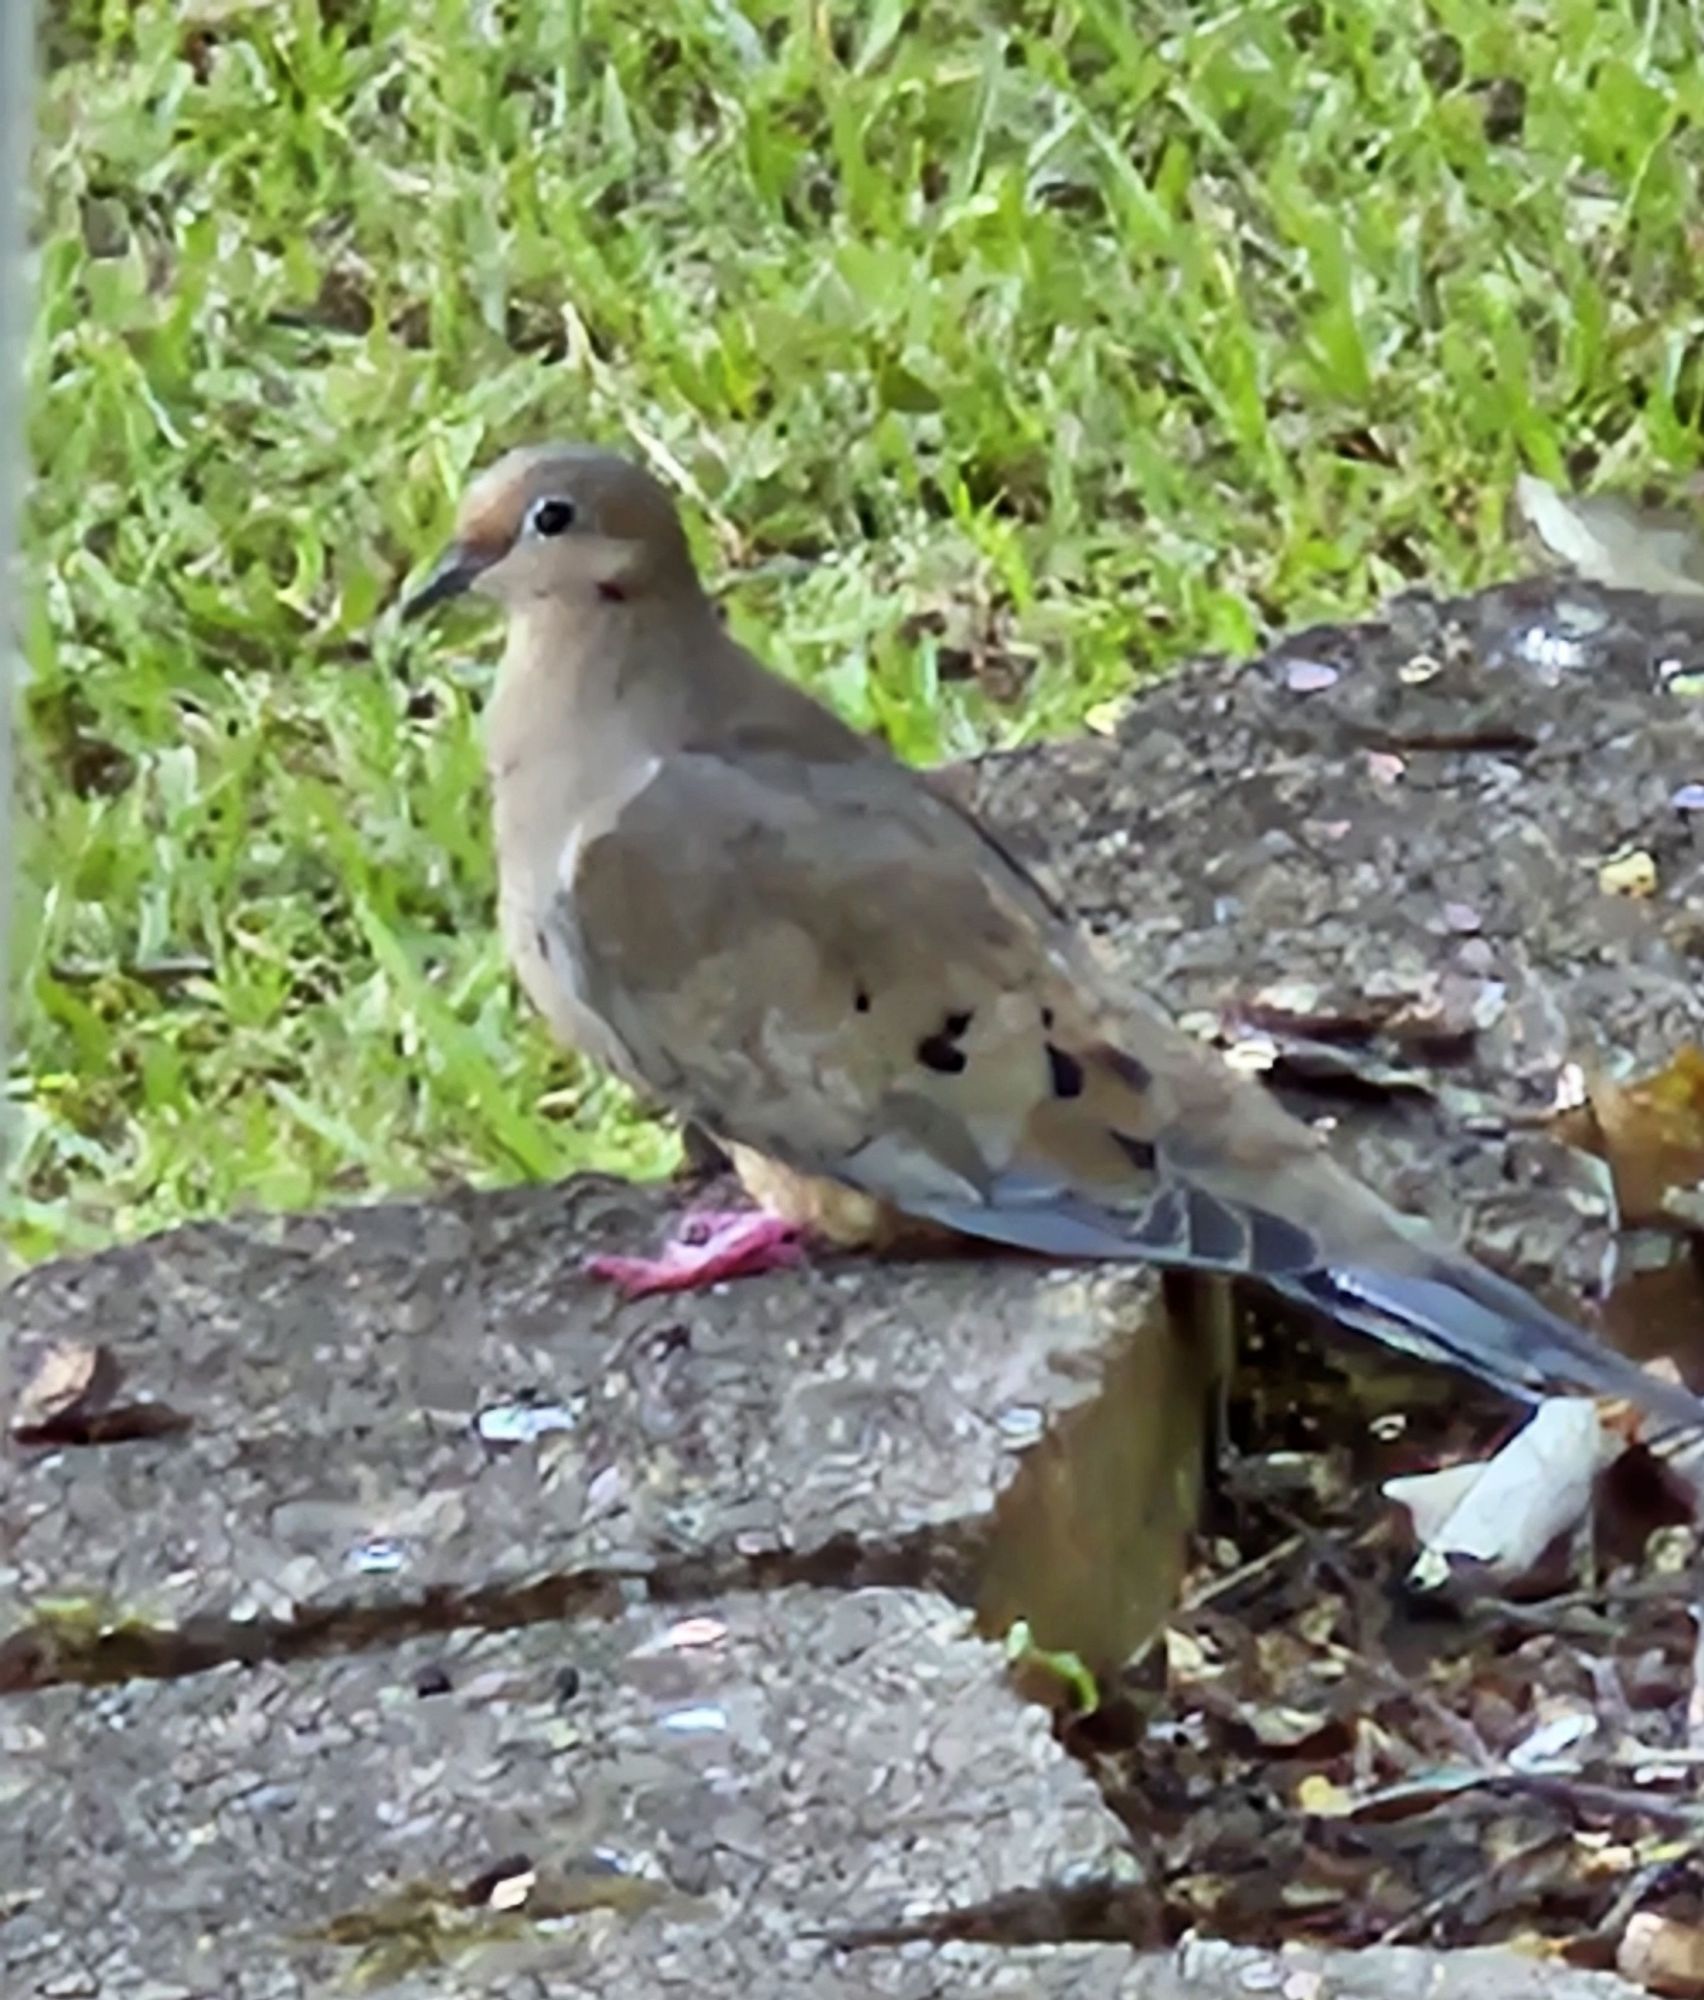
(719, 1244)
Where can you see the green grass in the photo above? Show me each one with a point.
(1006, 353)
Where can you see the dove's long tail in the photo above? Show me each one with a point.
(1452, 1309)
(1381, 1278)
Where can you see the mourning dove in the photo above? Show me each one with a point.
(717, 889)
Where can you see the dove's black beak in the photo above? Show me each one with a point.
(453, 572)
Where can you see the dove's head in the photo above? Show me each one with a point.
(561, 521)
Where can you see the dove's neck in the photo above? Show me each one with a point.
(588, 688)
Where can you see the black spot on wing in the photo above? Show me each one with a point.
(861, 1001)
(940, 1051)
(1067, 1073)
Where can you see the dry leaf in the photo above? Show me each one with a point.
(1105, 717)
(512, 1891)
(1662, 1956)
(1631, 874)
(1283, 1728)
(1651, 1133)
(1319, 1795)
(1504, 1513)
(71, 1376)
(1614, 540)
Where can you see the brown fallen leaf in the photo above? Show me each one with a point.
(1652, 1134)
(71, 1397)
(70, 1378)
(1662, 1956)
(1655, 1314)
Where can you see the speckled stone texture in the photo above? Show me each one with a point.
(335, 1369)
(727, 1785)
(779, 1766)
(1373, 855)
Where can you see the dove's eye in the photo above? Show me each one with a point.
(551, 517)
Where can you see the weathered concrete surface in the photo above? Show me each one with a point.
(768, 1768)
(1399, 827)
(693, 1802)
(334, 1369)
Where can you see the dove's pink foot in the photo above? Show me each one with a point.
(719, 1244)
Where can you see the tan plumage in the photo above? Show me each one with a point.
(713, 886)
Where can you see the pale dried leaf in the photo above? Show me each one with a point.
(1504, 1513)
